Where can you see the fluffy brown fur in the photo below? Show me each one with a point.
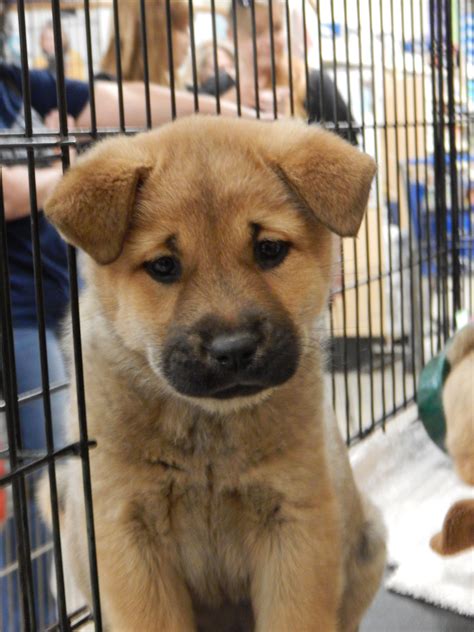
(458, 403)
(197, 500)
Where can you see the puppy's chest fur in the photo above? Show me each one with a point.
(209, 527)
(203, 497)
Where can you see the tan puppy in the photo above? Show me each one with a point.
(219, 474)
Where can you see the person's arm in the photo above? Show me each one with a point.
(107, 111)
(16, 191)
(44, 100)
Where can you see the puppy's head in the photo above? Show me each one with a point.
(210, 245)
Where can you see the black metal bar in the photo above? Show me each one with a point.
(169, 41)
(399, 197)
(90, 68)
(76, 620)
(305, 50)
(34, 394)
(42, 333)
(347, 400)
(193, 58)
(470, 186)
(60, 77)
(76, 331)
(41, 588)
(19, 485)
(40, 313)
(348, 78)
(236, 55)
(426, 197)
(146, 68)
(461, 165)
(84, 439)
(214, 56)
(437, 183)
(334, 66)
(25, 72)
(322, 122)
(73, 449)
(62, 106)
(118, 64)
(38, 141)
(290, 57)
(421, 315)
(80, 622)
(14, 433)
(367, 249)
(16, 140)
(354, 241)
(410, 225)
(388, 193)
(453, 172)
(440, 177)
(272, 59)
(379, 210)
(255, 59)
(470, 183)
(464, 167)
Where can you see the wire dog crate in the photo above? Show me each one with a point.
(403, 74)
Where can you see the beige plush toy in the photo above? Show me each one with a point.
(458, 403)
(457, 533)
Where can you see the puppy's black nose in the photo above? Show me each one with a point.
(234, 350)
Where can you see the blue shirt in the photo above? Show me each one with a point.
(19, 244)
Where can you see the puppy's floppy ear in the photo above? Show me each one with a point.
(93, 203)
(324, 173)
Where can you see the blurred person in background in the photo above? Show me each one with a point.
(132, 60)
(74, 67)
(9, 37)
(319, 102)
(131, 48)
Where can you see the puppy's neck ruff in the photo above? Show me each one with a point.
(145, 411)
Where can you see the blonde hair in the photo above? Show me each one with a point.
(282, 73)
(157, 40)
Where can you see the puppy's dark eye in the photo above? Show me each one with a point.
(270, 253)
(164, 269)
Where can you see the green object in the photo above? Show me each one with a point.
(429, 398)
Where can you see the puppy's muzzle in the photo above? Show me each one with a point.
(215, 360)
